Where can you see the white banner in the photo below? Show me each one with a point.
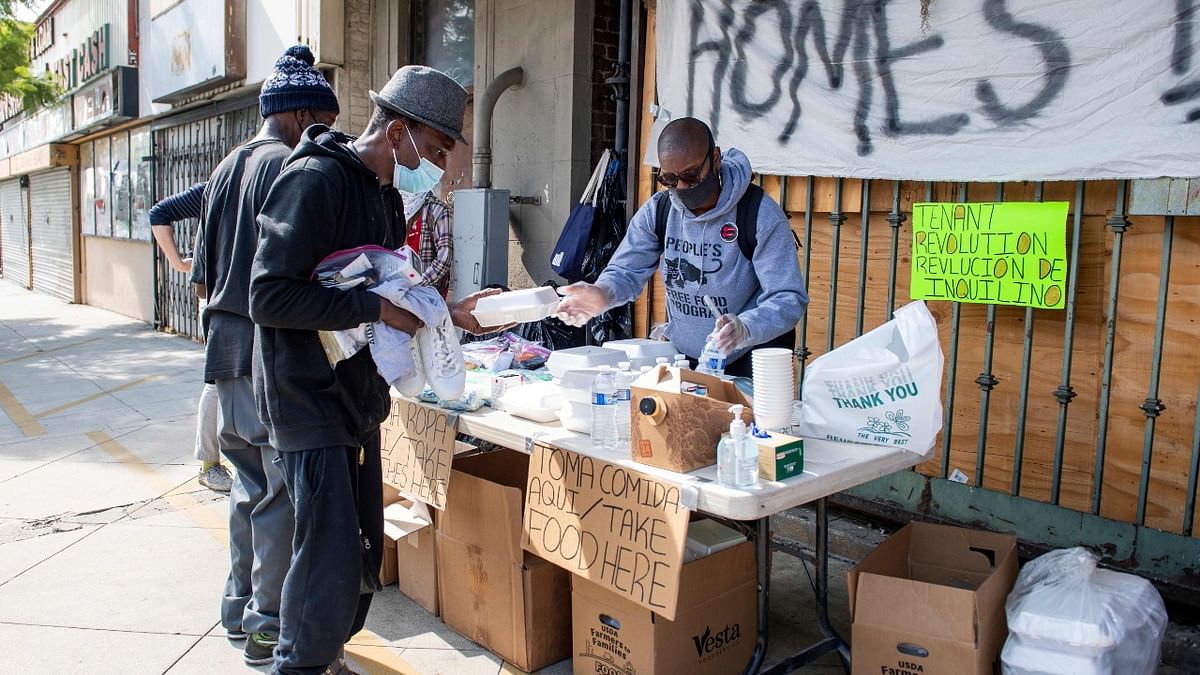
(976, 90)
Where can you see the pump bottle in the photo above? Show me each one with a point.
(737, 454)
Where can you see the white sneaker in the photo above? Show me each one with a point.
(442, 358)
(413, 385)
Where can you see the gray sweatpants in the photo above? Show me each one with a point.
(207, 414)
(261, 520)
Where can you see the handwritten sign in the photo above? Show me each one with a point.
(614, 526)
(418, 446)
(1003, 253)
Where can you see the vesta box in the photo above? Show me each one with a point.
(930, 599)
(713, 632)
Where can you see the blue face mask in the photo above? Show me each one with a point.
(418, 180)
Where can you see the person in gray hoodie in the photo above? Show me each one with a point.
(701, 251)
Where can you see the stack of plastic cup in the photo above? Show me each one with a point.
(774, 388)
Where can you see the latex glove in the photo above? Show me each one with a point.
(730, 334)
(581, 302)
(461, 316)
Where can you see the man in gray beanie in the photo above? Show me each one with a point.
(294, 97)
(338, 192)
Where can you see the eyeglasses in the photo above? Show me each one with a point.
(689, 176)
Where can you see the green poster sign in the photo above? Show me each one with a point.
(1001, 253)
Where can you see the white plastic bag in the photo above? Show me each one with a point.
(883, 388)
(1067, 616)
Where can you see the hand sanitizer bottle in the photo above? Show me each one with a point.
(732, 451)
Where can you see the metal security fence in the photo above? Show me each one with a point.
(1073, 426)
(186, 151)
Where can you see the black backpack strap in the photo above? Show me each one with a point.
(747, 220)
(662, 210)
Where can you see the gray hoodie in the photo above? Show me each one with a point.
(701, 257)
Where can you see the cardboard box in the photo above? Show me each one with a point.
(416, 562)
(680, 431)
(931, 599)
(713, 633)
(780, 456)
(490, 590)
(388, 569)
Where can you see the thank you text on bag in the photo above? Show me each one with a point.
(884, 388)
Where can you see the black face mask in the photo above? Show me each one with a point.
(699, 194)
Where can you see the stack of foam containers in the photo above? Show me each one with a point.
(1071, 617)
(575, 387)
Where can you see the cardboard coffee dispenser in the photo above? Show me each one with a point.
(677, 429)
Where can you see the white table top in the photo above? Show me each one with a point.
(829, 467)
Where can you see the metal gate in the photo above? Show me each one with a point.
(14, 213)
(52, 244)
(186, 153)
(1069, 427)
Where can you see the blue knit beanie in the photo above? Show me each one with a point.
(296, 85)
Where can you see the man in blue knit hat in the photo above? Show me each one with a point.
(261, 521)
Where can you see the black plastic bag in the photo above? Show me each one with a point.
(615, 324)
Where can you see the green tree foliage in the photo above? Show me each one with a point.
(17, 78)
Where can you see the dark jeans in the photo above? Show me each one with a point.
(334, 496)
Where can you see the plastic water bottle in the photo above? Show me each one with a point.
(604, 410)
(712, 361)
(625, 378)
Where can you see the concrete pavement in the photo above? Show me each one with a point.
(113, 557)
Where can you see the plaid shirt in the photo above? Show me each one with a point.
(437, 245)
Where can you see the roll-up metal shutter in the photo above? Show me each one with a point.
(51, 233)
(15, 230)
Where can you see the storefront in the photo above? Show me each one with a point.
(47, 214)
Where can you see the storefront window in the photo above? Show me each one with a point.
(87, 191)
(101, 158)
(116, 191)
(446, 37)
(122, 198)
(142, 160)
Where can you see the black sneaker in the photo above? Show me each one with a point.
(260, 649)
(234, 634)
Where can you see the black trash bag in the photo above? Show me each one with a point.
(608, 228)
(552, 334)
(615, 324)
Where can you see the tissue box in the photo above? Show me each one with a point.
(780, 456)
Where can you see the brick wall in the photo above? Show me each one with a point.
(604, 33)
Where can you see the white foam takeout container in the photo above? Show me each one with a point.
(641, 351)
(537, 401)
(576, 385)
(583, 358)
(531, 304)
(576, 416)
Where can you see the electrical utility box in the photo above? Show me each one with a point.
(480, 240)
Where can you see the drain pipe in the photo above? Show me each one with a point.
(481, 170)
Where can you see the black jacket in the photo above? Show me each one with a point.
(325, 200)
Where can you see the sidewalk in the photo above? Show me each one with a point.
(112, 557)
